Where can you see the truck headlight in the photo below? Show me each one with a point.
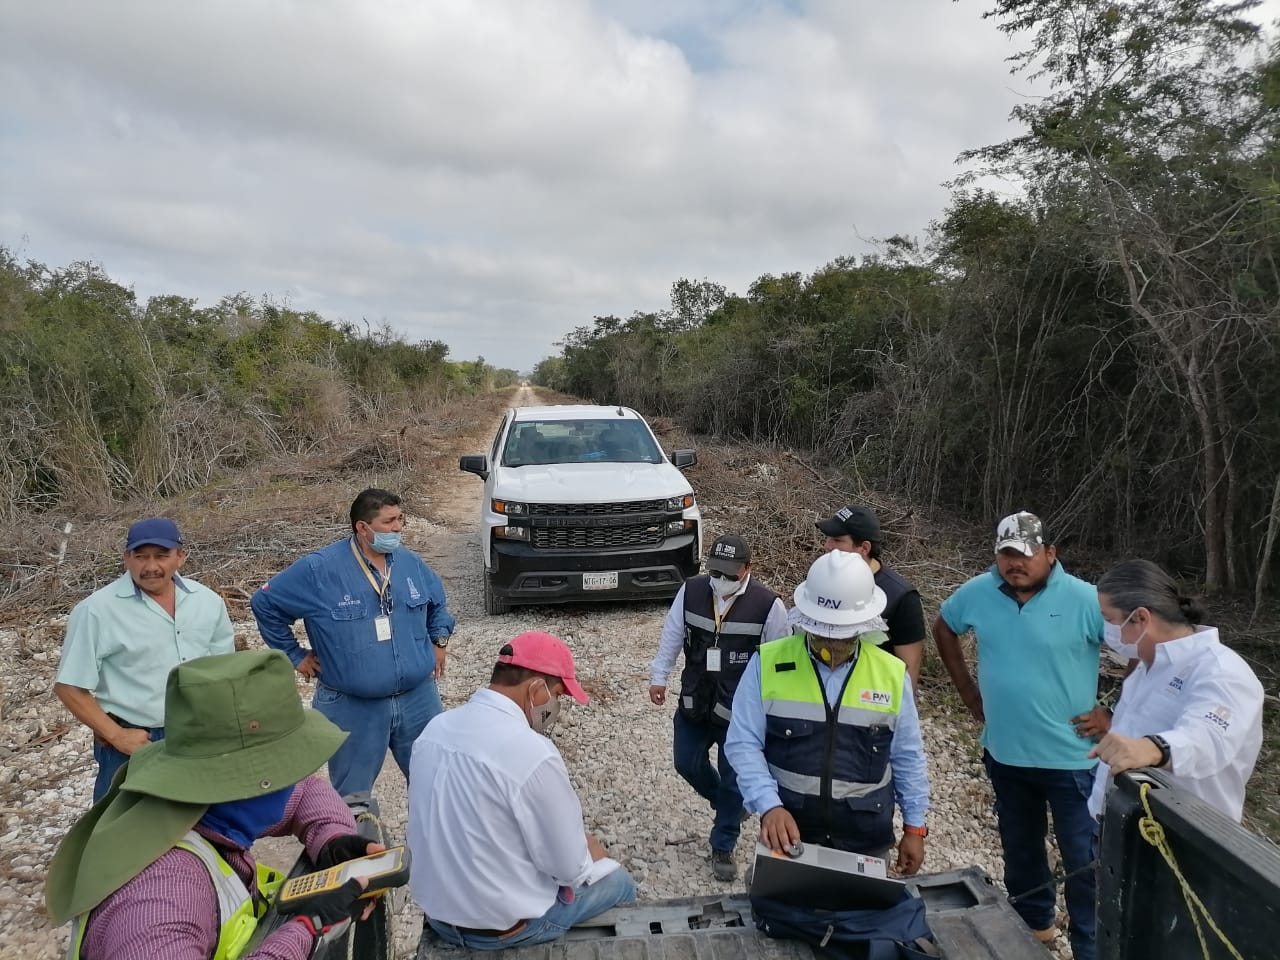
(509, 508)
(512, 533)
(680, 503)
(678, 526)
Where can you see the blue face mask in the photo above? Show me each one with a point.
(385, 542)
(243, 821)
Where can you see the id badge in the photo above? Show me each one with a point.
(382, 628)
(713, 660)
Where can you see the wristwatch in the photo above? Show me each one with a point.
(440, 642)
(1165, 753)
(915, 831)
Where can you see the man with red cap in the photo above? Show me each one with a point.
(501, 857)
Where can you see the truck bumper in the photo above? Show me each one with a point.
(521, 574)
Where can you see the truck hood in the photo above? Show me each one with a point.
(590, 482)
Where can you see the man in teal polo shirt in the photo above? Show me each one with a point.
(123, 640)
(1038, 632)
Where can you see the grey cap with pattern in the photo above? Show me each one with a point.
(1021, 531)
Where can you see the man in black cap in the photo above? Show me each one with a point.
(855, 529)
(719, 618)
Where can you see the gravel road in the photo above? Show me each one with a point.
(617, 747)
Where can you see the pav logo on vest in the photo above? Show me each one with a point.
(876, 698)
(829, 603)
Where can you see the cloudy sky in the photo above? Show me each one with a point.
(490, 173)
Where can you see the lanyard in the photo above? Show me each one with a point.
(719, 616)
(381, 585)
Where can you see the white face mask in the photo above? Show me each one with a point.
(543, 716)
(1111, 636)
(724, 588)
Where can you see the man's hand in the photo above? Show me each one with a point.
(129, 740)
(910, 855)
(309, 666)
(973, 701)
(331, 913)
(778, 830)
(595, 847)
(1126, 753)
(348, 846)
(1095, 723)
(440, 653)
(657, 695)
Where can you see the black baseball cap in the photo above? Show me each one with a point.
(728, 554)
(852, 521)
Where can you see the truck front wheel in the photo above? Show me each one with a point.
(494, 605)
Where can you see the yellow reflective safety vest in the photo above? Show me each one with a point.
(831, 763)
(238, 912)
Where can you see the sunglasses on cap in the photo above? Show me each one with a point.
(721, 575)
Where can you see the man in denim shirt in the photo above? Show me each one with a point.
(376, 618)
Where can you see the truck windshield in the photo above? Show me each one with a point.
(617, 440)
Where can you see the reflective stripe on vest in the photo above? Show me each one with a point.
(871, 699)
(236, 908)
(708, 695)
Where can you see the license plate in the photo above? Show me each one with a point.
(599, 581)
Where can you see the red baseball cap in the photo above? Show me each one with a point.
(545, 654)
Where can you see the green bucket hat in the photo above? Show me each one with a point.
(234, 729)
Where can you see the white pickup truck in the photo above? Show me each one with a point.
(581, 503)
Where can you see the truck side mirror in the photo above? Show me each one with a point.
(683, 458)
(475, 463)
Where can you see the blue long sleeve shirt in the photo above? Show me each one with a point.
(744, 745)
(332, 592)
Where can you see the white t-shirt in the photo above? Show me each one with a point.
(1207, 704)
(495, 828)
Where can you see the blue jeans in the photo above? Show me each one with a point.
(110, 760)
(374, 724)
(588, 901)
(1023, 795)
(718, 785)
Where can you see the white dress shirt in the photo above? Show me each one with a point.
(495, 827)
(672, 640)
(1207, 704)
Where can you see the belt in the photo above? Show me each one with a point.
(493, 934)
(132, 726)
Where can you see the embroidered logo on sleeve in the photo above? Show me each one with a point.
(1221, 716)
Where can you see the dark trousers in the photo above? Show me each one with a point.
(110, 759)
(1024, 797)
(717, 785)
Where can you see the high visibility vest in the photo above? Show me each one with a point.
(831, 763)
(238, 912)
(708, 695)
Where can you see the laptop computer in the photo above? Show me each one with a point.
(825, 879)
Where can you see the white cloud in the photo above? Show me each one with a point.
(490, 173)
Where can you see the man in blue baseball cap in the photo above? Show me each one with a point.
(123, 640)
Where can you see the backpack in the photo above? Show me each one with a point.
(900, 932)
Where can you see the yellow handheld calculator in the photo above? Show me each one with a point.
(383, 870)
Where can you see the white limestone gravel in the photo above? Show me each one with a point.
(617, 748)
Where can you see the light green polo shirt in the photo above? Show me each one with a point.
(121, 645)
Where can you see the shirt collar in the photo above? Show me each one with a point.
(128, 588)
(1179, 651)
(492, 698)
(1055, 572)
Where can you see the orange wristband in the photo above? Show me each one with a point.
(915, 831)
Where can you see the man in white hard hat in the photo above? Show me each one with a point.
(825, 735)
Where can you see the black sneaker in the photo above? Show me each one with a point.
(722, 865)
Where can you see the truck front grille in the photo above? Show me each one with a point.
(596, 509)
(578, 538)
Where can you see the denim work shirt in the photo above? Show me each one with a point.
(332, 592)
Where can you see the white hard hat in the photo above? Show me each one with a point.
(840, 590)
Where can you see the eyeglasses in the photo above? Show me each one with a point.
(721, 575)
